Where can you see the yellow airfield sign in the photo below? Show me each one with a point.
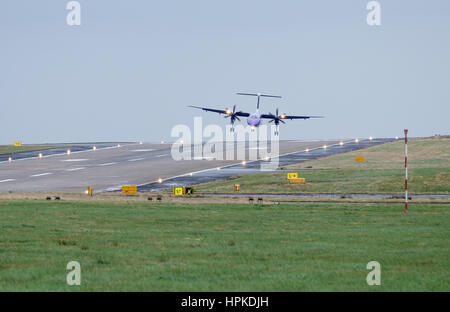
(17, 143)
(178, 191)
(129, 189)
(297, 181)
(359, 158)
(292, 175)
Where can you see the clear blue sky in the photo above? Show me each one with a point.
(131, 68)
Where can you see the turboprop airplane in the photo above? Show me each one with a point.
(254, 120)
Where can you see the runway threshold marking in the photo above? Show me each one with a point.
(7, 180)
(41, 174)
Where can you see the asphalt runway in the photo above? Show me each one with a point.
(60, 149)
(304, 151)
(110, 168)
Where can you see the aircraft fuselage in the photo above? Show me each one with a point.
(254, 120)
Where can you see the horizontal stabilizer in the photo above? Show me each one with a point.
(259, 95)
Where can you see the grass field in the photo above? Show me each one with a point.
(10, 149)
(382, 172)
(142, 246)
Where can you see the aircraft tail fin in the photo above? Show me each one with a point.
(259, 95)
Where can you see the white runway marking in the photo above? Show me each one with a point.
(204, 158)
(41, 174)
(74, 160)
(7, 180)
(143, 150)
(136, 159)
(108, 164)
(113, 188)
(162, 155)
(75, 169)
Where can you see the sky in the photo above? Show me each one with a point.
(130, 70)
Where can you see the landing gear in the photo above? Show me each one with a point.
(232, 129)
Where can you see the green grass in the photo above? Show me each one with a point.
(382, 172)
(141, 246)
(10, 149)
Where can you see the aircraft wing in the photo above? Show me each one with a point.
(301, 117)
(270, 116)
(221, 111)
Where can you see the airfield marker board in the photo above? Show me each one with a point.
(297, 181)
(178, 191)
(129, 189)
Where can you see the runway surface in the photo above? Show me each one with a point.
(306, 151)
(143, 164)
(61, 149)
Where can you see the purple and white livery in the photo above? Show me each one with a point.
(254, 120)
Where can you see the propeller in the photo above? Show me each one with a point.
(277, 118)
(232, 115)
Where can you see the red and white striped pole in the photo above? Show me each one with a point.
(406, 170)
